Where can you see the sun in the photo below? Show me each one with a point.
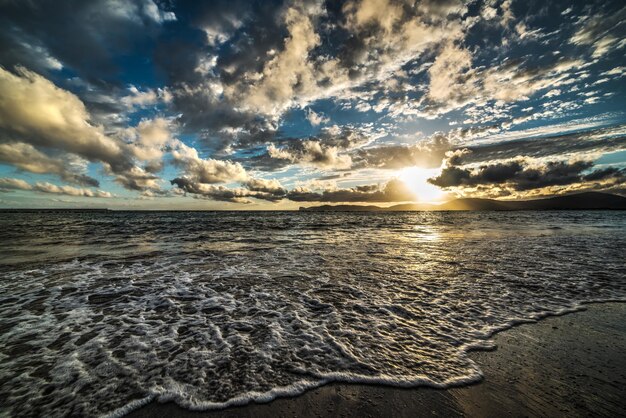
(415, 178)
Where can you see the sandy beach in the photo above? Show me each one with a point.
(570, 365)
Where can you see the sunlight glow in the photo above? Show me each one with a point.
(415, 178)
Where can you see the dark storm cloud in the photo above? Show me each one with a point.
(137, 181)
(271, 190)
(220, 193)
(219, 124)
(330, 177)
(430, 152)
(254, 28)
(392, 191)
(154, 166)
(255, 188)
(605, 173)
(597, 140)
(86, 36)
(231, 38)
(521, 175)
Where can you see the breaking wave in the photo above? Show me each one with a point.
(102, 313)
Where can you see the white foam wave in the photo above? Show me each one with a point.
(103, 336)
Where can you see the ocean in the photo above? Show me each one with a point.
(102, 312)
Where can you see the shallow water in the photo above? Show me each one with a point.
(102, 312)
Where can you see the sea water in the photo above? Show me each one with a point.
(101, 313)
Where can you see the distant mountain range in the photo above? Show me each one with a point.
(580, 201)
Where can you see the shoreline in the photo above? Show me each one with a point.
(540, 367)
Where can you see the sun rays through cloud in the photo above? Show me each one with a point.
(196, 104)
(416, 179)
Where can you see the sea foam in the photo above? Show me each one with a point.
(214, 310)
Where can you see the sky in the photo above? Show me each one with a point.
(168, 104)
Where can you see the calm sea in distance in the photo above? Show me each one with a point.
(103, 312)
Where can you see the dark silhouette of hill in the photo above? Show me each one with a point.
(579, 201)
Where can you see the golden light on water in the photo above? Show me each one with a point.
(416, 179)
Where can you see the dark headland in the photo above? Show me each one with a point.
(579, 201)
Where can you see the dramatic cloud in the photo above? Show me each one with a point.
(201, 178)
(14, 184)
(33, 110)
(147, 141)
(272, 186)
(313, 153)
(28, 158)
(271, 190)
(523, 174)
(84, 36)
(448, 72)
(234, 91)
(331, 149)
(7, 184)
(36, 113)
(289, 74)
(138, 179)
(255, 188)
(207, 171)
(572, 144)
(605, 32)
(230, 99)
(455, 83)
(427, 154)
(393, 191)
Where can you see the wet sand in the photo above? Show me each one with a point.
(571, 365)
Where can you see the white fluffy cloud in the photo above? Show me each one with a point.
(313, 153)
(290, 72)
(455, 83)
(36, 115)
(316, 119)
(208, 171)
(149, 138)
(148, 97)
(33, 110)
(448, 72)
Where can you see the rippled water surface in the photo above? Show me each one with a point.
(101, 312)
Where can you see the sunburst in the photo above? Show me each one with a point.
(416, 179)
